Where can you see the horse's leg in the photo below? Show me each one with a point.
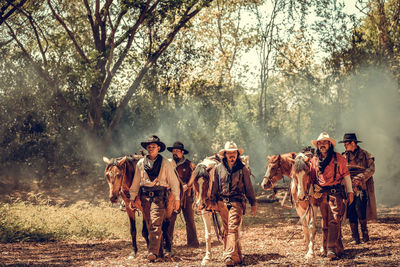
(133, 235)
(145, 233)
(312, 230)
(206, 216)
(165, 233)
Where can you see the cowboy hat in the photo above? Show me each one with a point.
(349, 137)
(178, 145)
(153, 139)
(230, 146)
(322, 137)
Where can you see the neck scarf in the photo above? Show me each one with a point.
(237, 166)
(152, 167)
(324, 162)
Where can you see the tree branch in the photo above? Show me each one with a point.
(70, 34)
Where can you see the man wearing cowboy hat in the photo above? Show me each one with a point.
(329, 169)
(154, 174)
(361, 166)
(232, 185)
(184, 168)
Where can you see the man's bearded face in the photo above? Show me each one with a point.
(231, 156)
(177, 153)
(323, 146)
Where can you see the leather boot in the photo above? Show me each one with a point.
(354, 233)
(333, 232)
(364, 230)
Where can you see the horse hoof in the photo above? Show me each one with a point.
(132, 255)
(309, 256)
(205, 261)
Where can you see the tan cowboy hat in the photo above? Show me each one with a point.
(322, 137)
(230, 146)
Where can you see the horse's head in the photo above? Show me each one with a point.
(277, 166)
(115, 172)
(301, 175)
(273, 173)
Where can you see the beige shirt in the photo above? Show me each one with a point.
(166, 178)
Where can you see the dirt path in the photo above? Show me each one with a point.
(265, 242)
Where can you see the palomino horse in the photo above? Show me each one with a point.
(202, 179)
(301, 190)
(119, 173)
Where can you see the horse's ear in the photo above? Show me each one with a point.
(122, 161)
(268, 156)
(106, 160)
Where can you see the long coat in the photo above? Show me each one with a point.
(362, 166)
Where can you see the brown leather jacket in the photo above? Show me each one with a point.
(241, 185)
(362, 166)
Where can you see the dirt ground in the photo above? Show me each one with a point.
(273, 237)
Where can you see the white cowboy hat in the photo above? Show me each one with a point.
(322, 137)
(230, 146)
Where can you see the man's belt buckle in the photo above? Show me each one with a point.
(151, 194)
(333, 190)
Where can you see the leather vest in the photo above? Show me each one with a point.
(184, 171)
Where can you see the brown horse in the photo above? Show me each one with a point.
(277, 166)
(119, 173)
(306, 205)
(202, 179)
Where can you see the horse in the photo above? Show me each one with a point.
(202, 179)
(119, 173)
(306, 206)
(276, 168)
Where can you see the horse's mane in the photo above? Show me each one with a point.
(300, 163)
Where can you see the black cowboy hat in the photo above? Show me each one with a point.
(178, 145)
(153, 139)
(349, 137)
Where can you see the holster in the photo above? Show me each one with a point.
(155, 192)
(235, 198)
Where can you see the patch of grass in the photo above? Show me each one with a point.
(22, 221)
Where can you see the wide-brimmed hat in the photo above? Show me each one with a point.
(178, 145)
(349, 137)
(230, 146)
(153, 139)
(322, 137)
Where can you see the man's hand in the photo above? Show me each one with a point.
(350, 197)
(185, 187)
(131, 205)
(253, 210)
(177, 205)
